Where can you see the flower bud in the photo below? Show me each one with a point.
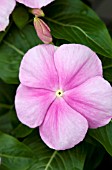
(42, 30)
(37, 12)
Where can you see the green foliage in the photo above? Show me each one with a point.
(75, 22)
(7, 93)
(3, 33)
(94, 157)
(21, 131)
(2, 167)
(14, 154)
(107, 68)
(104, 136)
(20, 17)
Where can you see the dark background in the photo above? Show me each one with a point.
(104, 10)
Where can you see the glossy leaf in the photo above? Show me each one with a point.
(20, 16)
(14, 154)
(21, 131)
(73, 21)
(104, 136)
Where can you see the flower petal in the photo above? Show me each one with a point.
(93, 99)
(37, 68)
(35, 3)
(63, 127)
(6, 7)
(32, 104)
(75, 64)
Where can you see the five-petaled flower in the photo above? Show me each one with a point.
(62, 91)
(7, 6)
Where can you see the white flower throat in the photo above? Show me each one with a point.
(59, 93)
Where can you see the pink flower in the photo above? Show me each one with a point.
(42, 30)
(7, 6)
(35, 3)
(62, 91)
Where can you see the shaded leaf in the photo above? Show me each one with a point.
(3, 33)
(7, 95)
(107, 68)
(14, 154)
(104, 136)
(5, 123)
(21, 131)
(20, 16)
(2, 167)
(94, 157)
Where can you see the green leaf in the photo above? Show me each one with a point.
(12, 50)
(3, 33)
(5, 123)
(107, 68)
(108, 73)
(20, 16)
(14, 154)
(2, 167)
(104, 136)
(94, 157)
(7, 95)
(47, 159)
(73, 21)
(21, 131)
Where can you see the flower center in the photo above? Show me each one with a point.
(59, 93)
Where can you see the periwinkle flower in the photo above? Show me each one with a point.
(63, 92)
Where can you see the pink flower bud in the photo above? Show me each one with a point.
(43, 31)
(38, 12)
